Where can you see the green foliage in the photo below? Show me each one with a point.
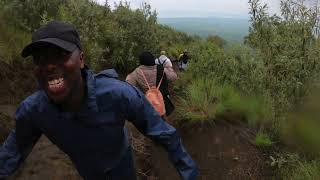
(256, 110)
(109, 37)
(280, 160)
(286, 46)
(236, 67)
(301, 128)
(136, 34)
(204, 99)
(229, 99)
(276, 74)
(27, 15)
(294, 167)
(12, 41)
(238, 81)
(302, 170)
(304, 133)
(217, 40)
(262, 140)
(90, 21)
(200, 101)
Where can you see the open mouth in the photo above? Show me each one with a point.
(56, 85)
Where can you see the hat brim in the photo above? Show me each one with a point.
(34, 46)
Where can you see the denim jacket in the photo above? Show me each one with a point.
(94, 138)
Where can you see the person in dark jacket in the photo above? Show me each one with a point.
(84, 114)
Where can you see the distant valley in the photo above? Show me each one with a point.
(229, 28)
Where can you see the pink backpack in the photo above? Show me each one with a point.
(154, 96)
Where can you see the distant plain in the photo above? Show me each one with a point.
(232, 29)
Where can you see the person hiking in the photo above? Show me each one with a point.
(183, 60)
(148, 74)
(163, 60)
(84, 114)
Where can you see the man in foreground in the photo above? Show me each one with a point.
(84, 114)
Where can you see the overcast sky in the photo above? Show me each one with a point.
(197, 8)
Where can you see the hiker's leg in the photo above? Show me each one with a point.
(184, 66)
(125, 170)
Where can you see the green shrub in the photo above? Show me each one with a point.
(262, 140)
(230, 99)
(203, 99)
(302, 170)
(258, 111)
(199, 102)
(12, 41)
(301, 127)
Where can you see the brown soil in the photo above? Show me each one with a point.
(46, 162)
(6, 123)
(222, 151)
(16, 85)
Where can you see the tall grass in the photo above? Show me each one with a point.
(302, 170)
(199, 102)
(262, 140)
(301, 127)
(12, 41)
(203, 100)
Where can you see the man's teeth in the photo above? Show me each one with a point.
(55, 81)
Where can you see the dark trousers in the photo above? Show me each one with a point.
(125, 170)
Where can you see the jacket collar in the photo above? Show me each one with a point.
(91, 88)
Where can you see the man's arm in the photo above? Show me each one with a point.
(18, 145)
(9, 155)
(147, 120)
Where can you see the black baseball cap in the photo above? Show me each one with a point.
(58, 33)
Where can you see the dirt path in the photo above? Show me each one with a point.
(46, 162)
(7, 109)
(6, 120)
(221, 152)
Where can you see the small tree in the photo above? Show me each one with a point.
(286, 45)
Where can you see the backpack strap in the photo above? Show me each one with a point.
(145, 79)
(159, 62)
(160, 80)
(164, 62)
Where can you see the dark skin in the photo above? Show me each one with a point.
(59, 74)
